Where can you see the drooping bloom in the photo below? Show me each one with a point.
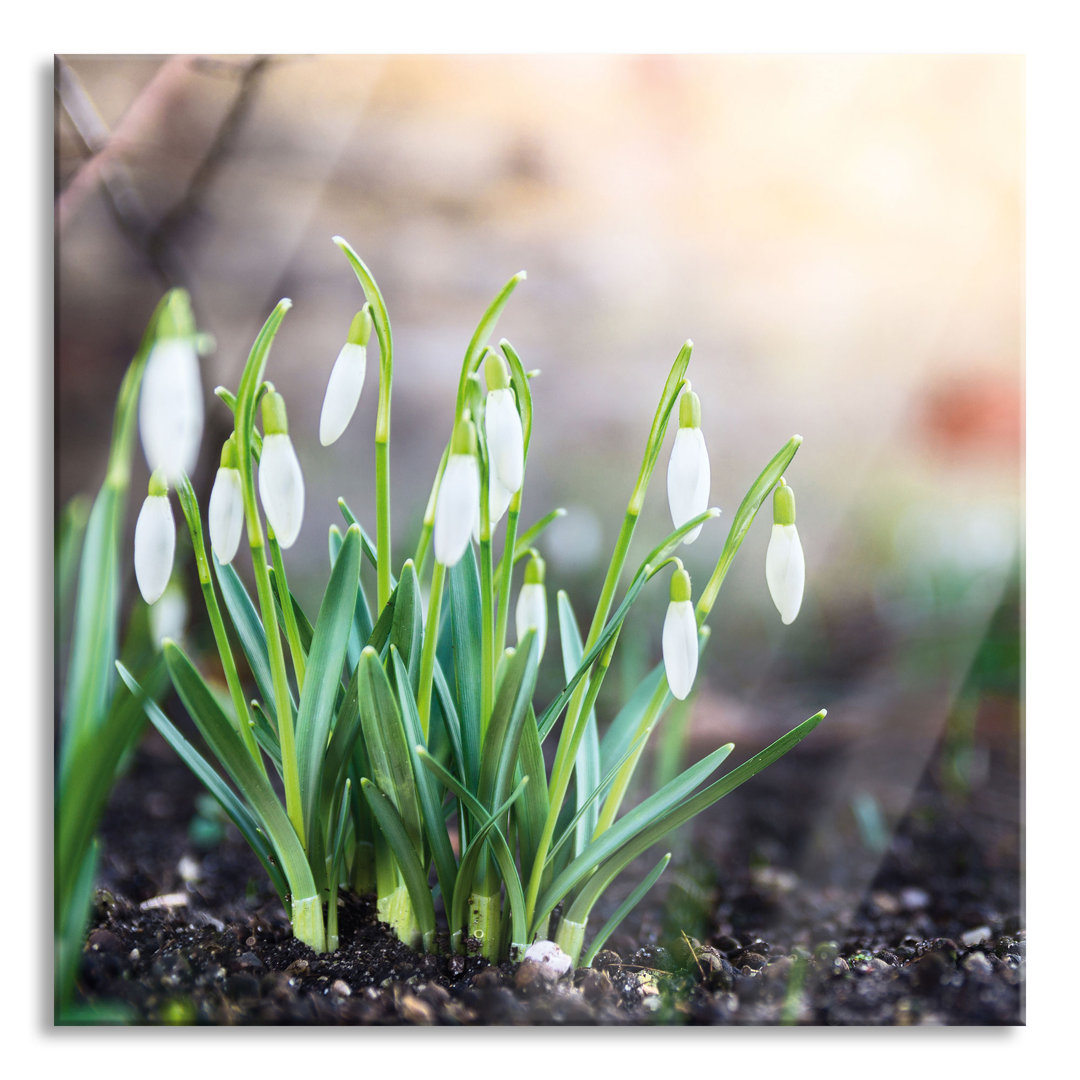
(531, 611)
(689, 476)
(459, 495)
(502, 424)
(226, 514)
(346, 380)
(155, 541)
(171, 407)
(680, 638)
(785, 567)
(281, 483)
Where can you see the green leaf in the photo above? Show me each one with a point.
(226, 746)
(508, 716)
(362, 624)
(370, 552)
(654, 808)
(620, 732)
(249, 628)
(532, 810)
(397, 836)
(478, 342)
(675, 816)
(587, 762)
(405, 633)
(323, 678)
(623, 910)
(384, 740)
(434, 820)
(465, 622)
(237, 811)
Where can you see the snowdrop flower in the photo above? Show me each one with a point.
(785, 568)
(346, 380)
(155, 540)
(169, 615)
(502, 424)
(688, 477)
(531, 611)
(281, 483)
(680, 639)
(226, 506)
(459, 495)
(171, 407)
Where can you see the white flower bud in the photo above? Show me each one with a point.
(680, 647)
(689, 475)
(505, 440)
(456, 507)
(281, 487)
(680, 638)
(531, 611)
(155, 546)
(226, 514)
(342, 392)
(785, 571)
(171, 407)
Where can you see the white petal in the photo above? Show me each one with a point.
(785, 571)
(531, 614)
(505, 441)
(171, 407)
(226, 514)
(169, 615)
(342, 392)
(689, 479)
(456, 508)
(155, 545)
(281, 488)
(680, 645)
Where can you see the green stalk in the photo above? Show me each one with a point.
(487, 630)
(427, 655)
(244, 721)
(381, 321)
(574, 727)
(292, 633)
(506, 572)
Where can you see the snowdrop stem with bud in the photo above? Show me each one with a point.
(576, 716)
(381, 321)
(251, 385)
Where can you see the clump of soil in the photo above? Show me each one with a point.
(186, 929)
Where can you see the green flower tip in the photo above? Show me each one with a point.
(158, 484)
(689, 409)
(360, 327)
(783, 504)
(464, 439)
(534, 572)
(230, 458)
(176, 318)
(273, 414)
(680, 586)
(496, 374)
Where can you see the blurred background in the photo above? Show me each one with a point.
(840, 236)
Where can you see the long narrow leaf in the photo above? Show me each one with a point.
(397, 836)
(465, 615)
(623, 910)
(323, 679)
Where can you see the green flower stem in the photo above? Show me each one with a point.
(506, 573)
(381, 321)
(574, 727)
(427, 655)
(487, 632)
(485, 923)
(244, 720)
(424, 544)
(292, 632)
(286, 737)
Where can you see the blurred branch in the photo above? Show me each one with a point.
(105, 162)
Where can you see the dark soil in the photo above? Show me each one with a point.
(187, 930)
